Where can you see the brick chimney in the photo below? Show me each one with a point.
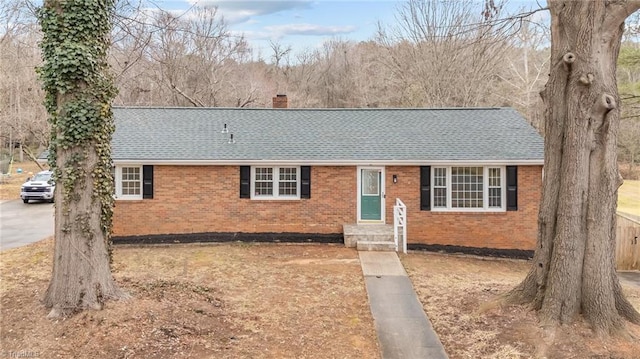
(280, 101)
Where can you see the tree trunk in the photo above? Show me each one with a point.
(573, 268)
(81, 276)
(79, 91)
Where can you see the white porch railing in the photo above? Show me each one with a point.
(400, 224)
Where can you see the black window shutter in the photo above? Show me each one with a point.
(245, 181)
(147, 181)
(305, 181)
(425, 188)
(512, 188)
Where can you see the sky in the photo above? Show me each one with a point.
(302, 24)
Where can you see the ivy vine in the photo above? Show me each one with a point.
(78, 94)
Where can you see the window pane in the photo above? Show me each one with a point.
(439, 197)
(288, 185)
(130, 181)
(264, 181)
(466, 187)
(439, 187)
(288, 174)
(495, 197)
(264, 174)
(288, 189)
(495, 188)
(264, 188)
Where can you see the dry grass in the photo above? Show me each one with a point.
(222, 301)
(629, 197)
(278, 301)
(453, 289)
(10, 186)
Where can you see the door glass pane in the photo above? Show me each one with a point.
(370, 183)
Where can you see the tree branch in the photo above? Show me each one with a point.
(194, 102)
(32, 157)
(619, 11)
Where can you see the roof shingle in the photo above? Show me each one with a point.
(316, 135)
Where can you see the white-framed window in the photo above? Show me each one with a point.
(440, 187)
(468, 188)
(128, 182)
(275, 182)
(495, 187)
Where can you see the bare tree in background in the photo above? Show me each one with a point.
(23, 123)
(629, 144)
(629, 86)
(525, 72)
(128, 54)
(195, 56)
(445, 53)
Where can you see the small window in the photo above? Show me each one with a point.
(495, 188)
(440, 188)
(275, 183)
(128, 182)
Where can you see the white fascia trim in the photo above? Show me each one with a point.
(259, 162)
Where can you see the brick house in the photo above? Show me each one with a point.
(470, 177)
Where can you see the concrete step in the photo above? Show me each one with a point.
(376, 246)
(354, 233)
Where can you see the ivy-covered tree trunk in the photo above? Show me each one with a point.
(79, 91)
(573, 268)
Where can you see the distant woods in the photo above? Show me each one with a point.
(436, 54)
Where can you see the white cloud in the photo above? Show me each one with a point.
(308, 29)
(244, 10)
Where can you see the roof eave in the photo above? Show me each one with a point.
(254, 162)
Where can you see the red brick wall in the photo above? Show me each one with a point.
(503, 230)
(196, 199)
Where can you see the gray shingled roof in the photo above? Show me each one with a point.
(332, 135)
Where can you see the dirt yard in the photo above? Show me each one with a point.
(275, 301)
(453, 289)
(217, 301)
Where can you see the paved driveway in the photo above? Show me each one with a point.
(630, 277)
(21, 224)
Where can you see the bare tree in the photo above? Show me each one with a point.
(573, 269)
(628, 79)
(128, 53)
(194, 57)
(23, 122)
(445, 53)
(526, 68)
(629, 144)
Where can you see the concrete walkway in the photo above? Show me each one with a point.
(404, 331)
